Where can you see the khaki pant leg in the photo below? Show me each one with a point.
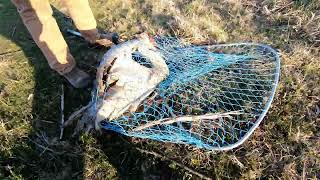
(81, 14)
(37, 17)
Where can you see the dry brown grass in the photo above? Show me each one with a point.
(285, 146)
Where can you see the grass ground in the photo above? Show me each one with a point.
(285, 146)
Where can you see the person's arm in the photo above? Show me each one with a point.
(37, 17)
(81, 14)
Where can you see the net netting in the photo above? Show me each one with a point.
(214, 96)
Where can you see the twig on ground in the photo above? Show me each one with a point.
(211, 116)
(304, 170)
(10, 52)
(167, 159)
(62, 111)
(41, 146)
(13, 30)
(235, 160)
(177, 163)
(76, 114)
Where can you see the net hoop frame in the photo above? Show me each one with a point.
(268, 104)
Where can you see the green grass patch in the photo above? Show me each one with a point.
(286, 145)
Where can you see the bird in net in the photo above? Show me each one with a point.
(167, 89)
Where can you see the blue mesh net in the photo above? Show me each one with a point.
(213, 98)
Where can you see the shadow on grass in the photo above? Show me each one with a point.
(40, 154)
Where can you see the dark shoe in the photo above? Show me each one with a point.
(78, 78)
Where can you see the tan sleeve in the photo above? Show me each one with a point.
(81, 14)
(37, 17)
